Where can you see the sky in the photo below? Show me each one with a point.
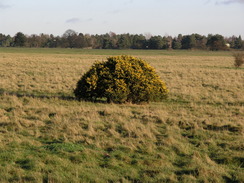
(155, 17)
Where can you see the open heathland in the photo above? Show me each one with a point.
(195, 135)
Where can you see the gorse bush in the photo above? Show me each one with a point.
(239, 59)
(121, 79)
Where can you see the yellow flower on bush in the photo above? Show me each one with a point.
(121, 79)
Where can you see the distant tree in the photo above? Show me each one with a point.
(52, 41)
(80, 41)
(138, 42)
(180, 37)
(8, 41)
(69, 38)
(72, 39)
(2, 37)
(96, 41)
(167, 42)
(188, 41)
(113, 40)
(88, 39)
(108, 41)
(148, 35)
(231, 41)
(176, 42)
(5, 41)
(44, 38)
(69, 33)
(124, 41)
(238, 43)
(201, 42)
(216, 42)
(156, 42)
(193, 41)
(19, 39)
(33, 41)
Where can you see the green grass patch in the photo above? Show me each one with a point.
(113, 52)
(196, 135)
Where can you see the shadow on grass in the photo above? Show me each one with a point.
(60, 96)
(219, 67)
(39, 96)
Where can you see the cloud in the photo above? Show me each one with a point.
(89, 20)
(128, 2)
(207, 2)
(227, 2)
(77, 20)
(113, 12)
(73, 20)
(4, 6)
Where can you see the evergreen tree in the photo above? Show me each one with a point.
(176, 44)
(216, 42)
(138, 42)
(156, 42)
(19, 39)
(188, 41)
(238, 43)
(124, 41)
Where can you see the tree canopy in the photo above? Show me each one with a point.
(72, 39)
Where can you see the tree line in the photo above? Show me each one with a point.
(72, 39)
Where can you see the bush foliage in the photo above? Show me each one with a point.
(121, 79)
(239, 59)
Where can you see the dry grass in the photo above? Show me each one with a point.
(50, 74)
(194, 136)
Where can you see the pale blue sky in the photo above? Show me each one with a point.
(158, 17)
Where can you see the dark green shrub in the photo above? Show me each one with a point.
(121, 79)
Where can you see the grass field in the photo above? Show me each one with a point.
(196, 135)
